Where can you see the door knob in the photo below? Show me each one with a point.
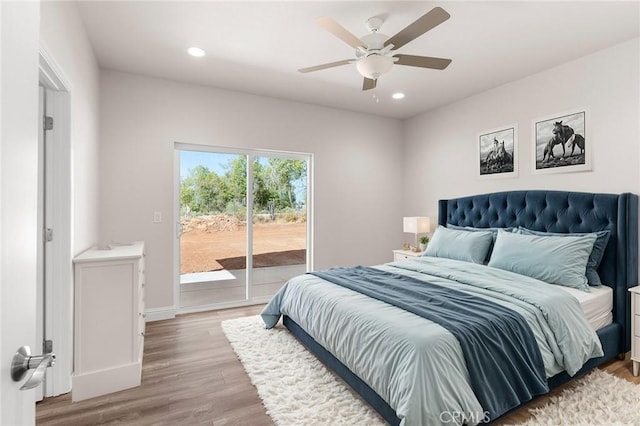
(23, 362)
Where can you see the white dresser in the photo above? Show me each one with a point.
(108, 320)
(635, 328)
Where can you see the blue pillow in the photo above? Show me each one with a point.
(602, 238)
(556, 260)
(459, 245)
(494, 234)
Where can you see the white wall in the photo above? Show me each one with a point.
(440, 156)
(63, 36)
(357, 166)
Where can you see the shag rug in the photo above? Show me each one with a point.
(297, 389)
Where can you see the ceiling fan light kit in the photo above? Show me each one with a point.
(374, 65)
(374, 51)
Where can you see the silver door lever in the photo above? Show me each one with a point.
(23, 362)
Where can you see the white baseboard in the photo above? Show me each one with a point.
(159, 314)
(96, 383)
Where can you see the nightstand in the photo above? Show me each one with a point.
(635, 328)
(405, 254)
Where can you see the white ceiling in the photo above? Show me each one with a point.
(257, 47)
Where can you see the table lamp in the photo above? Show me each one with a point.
(416, 225)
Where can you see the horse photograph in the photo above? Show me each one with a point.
(560, 143)
(497, 152)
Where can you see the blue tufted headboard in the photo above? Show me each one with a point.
(560, 211)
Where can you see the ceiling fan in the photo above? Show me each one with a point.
(375, 52)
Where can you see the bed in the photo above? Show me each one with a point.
(367, 363)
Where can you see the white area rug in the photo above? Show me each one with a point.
(294, 386)
(298, 390)
(596, 399)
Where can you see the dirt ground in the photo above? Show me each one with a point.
(205, 247)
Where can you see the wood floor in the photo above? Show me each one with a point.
(191, 376)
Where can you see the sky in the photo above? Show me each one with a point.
(215, 162)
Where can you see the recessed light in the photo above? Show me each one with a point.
(398, 95)
(195, 51)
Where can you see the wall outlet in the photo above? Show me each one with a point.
(157, 217)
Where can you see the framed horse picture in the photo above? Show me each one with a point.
(561, 143)
(498, 152)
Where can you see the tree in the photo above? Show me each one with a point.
(284, 174)
(236, 180)
(274, 186)
(263, 194)
(201, 190)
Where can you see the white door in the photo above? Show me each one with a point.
(19, 44)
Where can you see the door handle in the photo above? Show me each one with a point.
(23, 362)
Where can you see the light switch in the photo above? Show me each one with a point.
(157, 217)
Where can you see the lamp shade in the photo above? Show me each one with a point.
(416, 225)
(373, 66)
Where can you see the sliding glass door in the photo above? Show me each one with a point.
(243, 225)
(213, 234)
(279, 222)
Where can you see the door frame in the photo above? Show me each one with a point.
(58, 294)
(251, 153)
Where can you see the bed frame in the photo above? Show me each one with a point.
(553, 211)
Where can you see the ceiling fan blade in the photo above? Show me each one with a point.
(423, 61)
(369, 84)
(429, 20)
(339, 31)
(325, 66)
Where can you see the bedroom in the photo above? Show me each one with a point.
(119, 115)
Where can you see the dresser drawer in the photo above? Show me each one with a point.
(636, 325)
(142, 325)
(636, 304)
(405, 254)
(635, 348)
(399, 256)
(141, 301)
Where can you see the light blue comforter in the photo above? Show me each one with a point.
(407, 359)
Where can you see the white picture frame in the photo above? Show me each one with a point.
(561, 143)
(497, 151)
